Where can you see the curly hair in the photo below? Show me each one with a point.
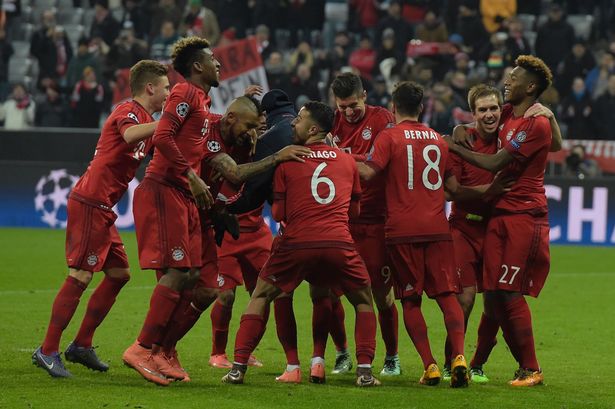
(144, 72)
(539, 69)
(186, 52)
(480, 91)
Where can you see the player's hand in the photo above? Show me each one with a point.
(501, 184)
(462, 137)
(292, 152)
(450, 142)
(200, 191)
(253, 141)
(252, 90)
(224, 222)
(538, 110)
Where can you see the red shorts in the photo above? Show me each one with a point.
(209, 276)
(369, 240)
(516, 253)
(468, 238)
(426, 266)
(92, 240)
(167, 226)
(241, 260)
(323, 267)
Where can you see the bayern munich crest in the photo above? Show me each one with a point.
(92, 260)
(177, 254)
(182, 109)
(213, 146)
(521, 136)
(366, 134)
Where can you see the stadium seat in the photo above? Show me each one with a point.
(70, 16)
(582, 24)
(74, 33)
(528, 21)
(19, 68)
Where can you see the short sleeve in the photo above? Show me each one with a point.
(179, 103)
(126, 118)
(530, 138)
(381, 154)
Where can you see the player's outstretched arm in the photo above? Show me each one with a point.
(237, 174)
(458, 193)
(492, 163)
(556, 135)
(139, 132)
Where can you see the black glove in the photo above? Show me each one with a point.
(223, 222)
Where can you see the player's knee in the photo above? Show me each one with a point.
(83, 276)
(361, 299)
(203, 297)
(175, 278)
(265, 290)
(226, 298)
(118, 273)
(383, 300)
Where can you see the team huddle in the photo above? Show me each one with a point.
(360, 196)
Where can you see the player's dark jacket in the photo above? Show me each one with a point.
(280, 113)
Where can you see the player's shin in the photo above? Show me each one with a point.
(286, 328)
(417, 329)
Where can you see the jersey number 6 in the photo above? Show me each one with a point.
(316, 180)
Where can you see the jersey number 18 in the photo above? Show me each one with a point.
(431, 166)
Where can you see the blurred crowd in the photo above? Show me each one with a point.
(446, 45)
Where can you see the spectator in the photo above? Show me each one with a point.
(579, 166)
(555, 38)
(494, 13)
(87, 100)
(379, 96)
(19, 110)
(277, 75)
(575, 111)
(432, 29)
(135, 13)
(263, 44)
(6, 51)
(51, 48)
(336, 58)
(516, 43)
(104, 26)
(302, 55)
(471, 29)
(362, 16)
(162, 46)
(386, 50)
(233, 17)
(202, 22)
(597, 79)
(364, 58)
(578, 63)
(303, 85)
(84, 58)
(126, 51)
(603, 110)
(495, 54)
(166, 10)
(401, 28)
(51, 109)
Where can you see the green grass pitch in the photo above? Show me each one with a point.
(573, 320)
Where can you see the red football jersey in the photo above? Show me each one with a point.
(214, 146)
(115, 162)
(317, 196)
(528, 140)
(413, 159)
(470, 175)
(358, 139)
(180, 135)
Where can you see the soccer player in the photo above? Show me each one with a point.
(231, 132)
(92, 240)
(355, 129)
(414, 158)
(516, 250)
(167, 200)
(315, 199)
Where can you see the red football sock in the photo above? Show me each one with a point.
(365, 337)
(220, 319)
(417, 329)
(337, 327)
(388, 327)
(487, 331)
(286, 327)
(183, 319)
(518, 323)
(251, 330)
(162, 304)
(499, 310)
(453, 320)
(99, 305)
(321, 314)
(62, 312)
